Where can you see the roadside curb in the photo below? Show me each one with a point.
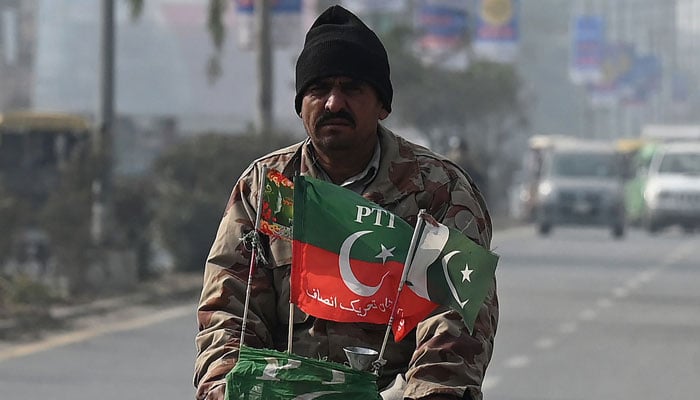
(170, 287)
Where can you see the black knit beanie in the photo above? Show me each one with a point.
(340, 44)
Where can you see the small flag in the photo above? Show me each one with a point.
(348, 258)
(262, 374)
(450, 269)
(277, 205)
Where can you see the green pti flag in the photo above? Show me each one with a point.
(262, 374)
(450, 269)
(348, 258)
(277, 205)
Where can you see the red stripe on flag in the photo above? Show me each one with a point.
(318, 289)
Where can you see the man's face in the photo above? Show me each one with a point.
(340, 113)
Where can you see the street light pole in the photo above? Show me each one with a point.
(102, 146)
(265, 77)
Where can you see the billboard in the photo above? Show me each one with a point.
(285, 23)
(442, 28)
(497, 30)
(587, 49)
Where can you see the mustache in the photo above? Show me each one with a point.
(342, 114)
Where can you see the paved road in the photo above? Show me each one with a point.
(582, 317)
(586, 317)
(139, 353)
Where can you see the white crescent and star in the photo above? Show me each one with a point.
(385, 253)
(466, 276)
(346, 273)
(467, 273)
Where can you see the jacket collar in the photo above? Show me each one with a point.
(398, 175)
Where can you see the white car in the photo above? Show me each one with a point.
(672, 191)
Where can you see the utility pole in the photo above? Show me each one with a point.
(264, 116)
(102, 145)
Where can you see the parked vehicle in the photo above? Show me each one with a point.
(35, 150)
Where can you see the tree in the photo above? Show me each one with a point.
(13, 215)
(215, 12)
(482, 105)
(66, 218)
(431, 98)
(191, 189)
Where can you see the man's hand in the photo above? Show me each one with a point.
(217, 393)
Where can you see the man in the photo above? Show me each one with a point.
(343, 91)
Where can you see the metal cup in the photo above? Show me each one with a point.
(360, 358)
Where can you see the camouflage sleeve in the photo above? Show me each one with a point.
(221, 304)
(448, 359)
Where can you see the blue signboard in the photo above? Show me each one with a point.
(441, 25)
(278, 6)
(587, 49)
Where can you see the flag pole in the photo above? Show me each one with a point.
(290, 327)
(409, 259)
(253, 253)
(290, 330)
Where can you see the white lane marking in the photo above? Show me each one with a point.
(632, 284)
(517, 362)
(647, 276)
(89, 333)
(512, 232)
(604, 303)
(545, 343)
(635, 282)
(490, 382)
(568, 327)
(587, 315)
(620, 292)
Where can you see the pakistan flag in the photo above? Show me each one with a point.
(449, 268)
(262, 374)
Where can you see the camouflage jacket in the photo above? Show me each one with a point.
(439, 356)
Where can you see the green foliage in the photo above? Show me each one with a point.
(18, 291)
(435, 99)
(482, 105)
(132, 216)
(66, 218)
(26, 302)
(11, 212)
(193, 181)
(217, 30)
(136, 8)
(215, 13)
